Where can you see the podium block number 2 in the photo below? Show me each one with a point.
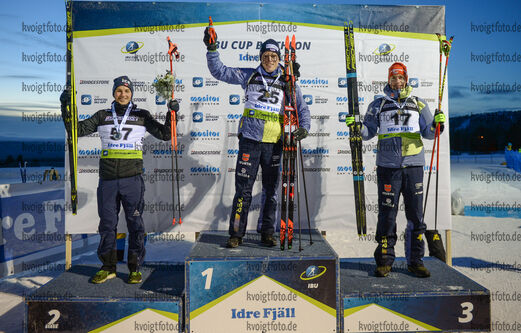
(52, 323)
(208, 274)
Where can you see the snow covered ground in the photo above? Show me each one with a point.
(486, 249)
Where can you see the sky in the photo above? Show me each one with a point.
(474, 85)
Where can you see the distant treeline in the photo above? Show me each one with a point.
(34, 152)
(485, 132)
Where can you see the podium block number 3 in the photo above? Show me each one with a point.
(208, 273)
(466, 312)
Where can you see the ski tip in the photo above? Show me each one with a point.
(180, 221)
(286, 44)
(173, 221)
(293, 43)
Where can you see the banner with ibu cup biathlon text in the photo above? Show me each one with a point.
(119, 38)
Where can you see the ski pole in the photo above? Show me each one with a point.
(445, 47)
(173, 105)
(293, 58)
(211, 30)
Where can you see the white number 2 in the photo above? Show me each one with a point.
(51, 324)
(208, 273)
(466, 312)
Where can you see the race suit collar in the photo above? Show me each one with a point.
(395, 93)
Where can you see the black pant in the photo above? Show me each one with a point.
(128, 192)
(391, 182)
(251, 155)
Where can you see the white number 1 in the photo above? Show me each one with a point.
(208, 273)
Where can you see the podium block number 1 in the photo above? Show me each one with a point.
(208, 274)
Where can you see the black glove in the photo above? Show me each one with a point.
(300, 133)
(173, 105)
(64, 101)
(296, 71)
(168, 118)
(65, 97)
(439, 118)
(206, 40)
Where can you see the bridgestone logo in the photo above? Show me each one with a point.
(205, 152)
(317, 169)
(319, 134)
(320, 117)
(94, 81)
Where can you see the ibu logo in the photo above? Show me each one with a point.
(313, 272)
(308, 99)
(342, 82)
(342, 117)
(197, 117)
(160, 100)
(235, 99)
(414, 82)
(384, 49)
(132, 47)
(86, 99)
(197, 82)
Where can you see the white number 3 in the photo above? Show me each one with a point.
(466, 312)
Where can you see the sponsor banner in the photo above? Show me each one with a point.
(211, 110)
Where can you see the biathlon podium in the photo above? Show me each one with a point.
(447, 301)
(70, 303)
(253, 288)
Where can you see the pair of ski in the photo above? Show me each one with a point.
(71, 120)
(355, 135)
(355, 138)
(289, 155)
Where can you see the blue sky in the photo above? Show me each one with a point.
(461, 18)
